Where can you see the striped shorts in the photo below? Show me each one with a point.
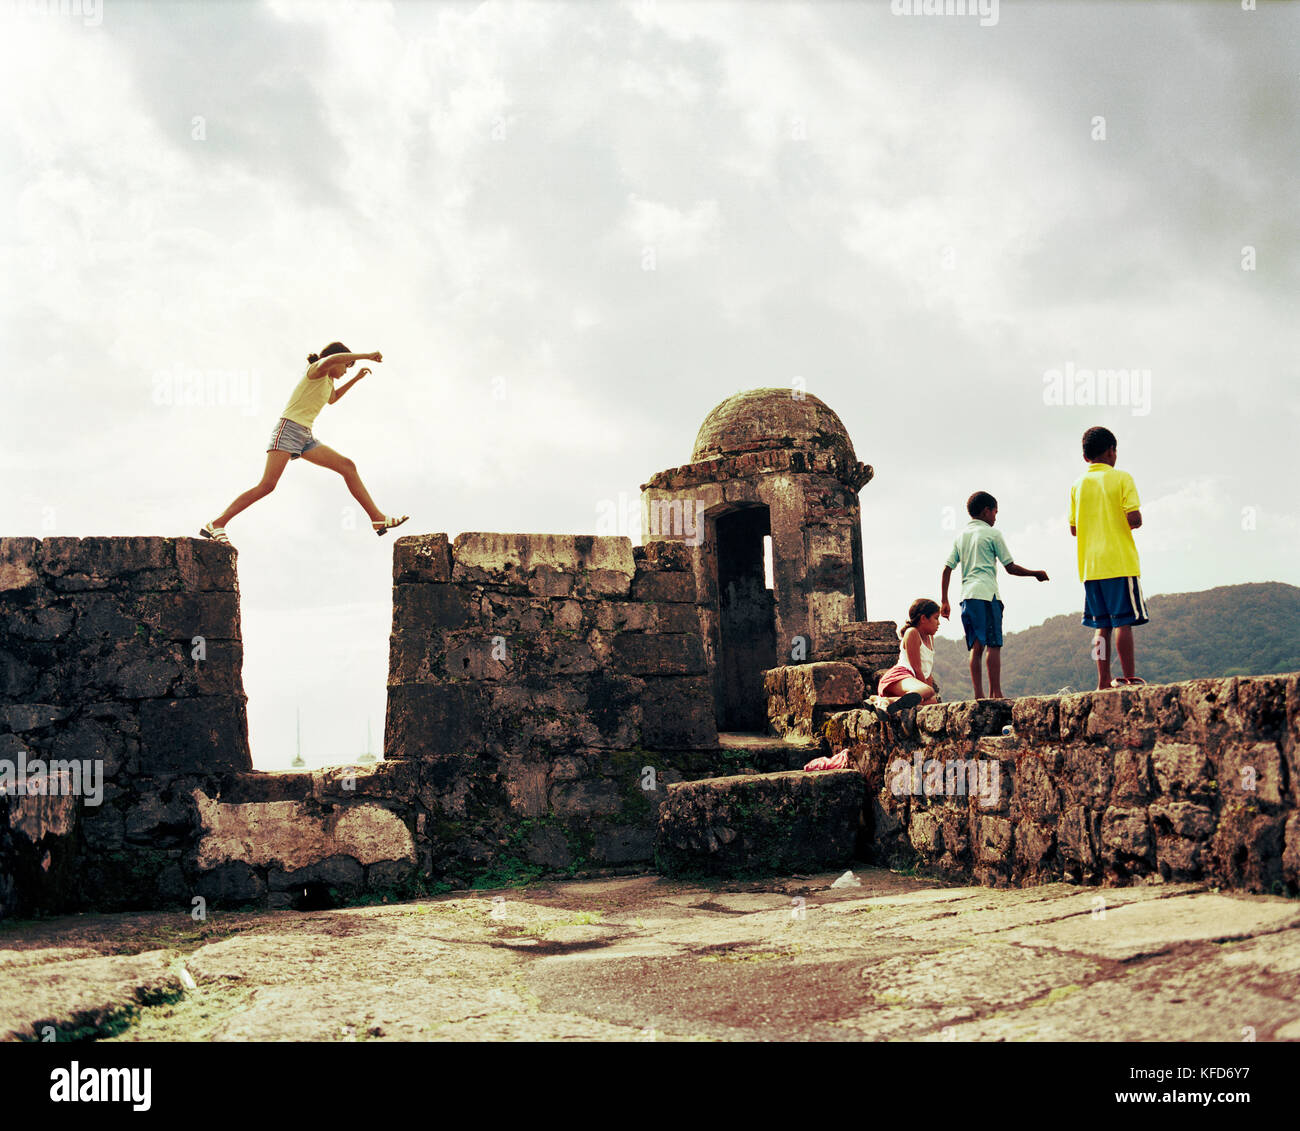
(1113, 603)
(290, 436)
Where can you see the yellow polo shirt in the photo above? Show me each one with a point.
(1100, 502)
(308, 398)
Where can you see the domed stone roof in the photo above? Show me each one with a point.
(772, 418)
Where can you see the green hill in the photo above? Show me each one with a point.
(1233, 630)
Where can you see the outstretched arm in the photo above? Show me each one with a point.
(338, 393)
(337, 362)
(1020, 571)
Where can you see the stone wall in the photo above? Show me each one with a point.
(543, 683)
(120, 690)
(1185, 781)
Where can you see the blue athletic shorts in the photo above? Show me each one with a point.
(1113, 602)
(982, 621)
(290, 436)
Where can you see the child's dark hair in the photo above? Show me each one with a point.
(921, 607)
(333, 347)
(1097, 442)
(979, 502)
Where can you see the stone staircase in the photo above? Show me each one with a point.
(774, 817)
(760, 824)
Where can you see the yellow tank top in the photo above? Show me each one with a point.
(308, 399)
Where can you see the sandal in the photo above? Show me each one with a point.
(382, 528)
(216, 533)
(903, 702)
(1128, 681)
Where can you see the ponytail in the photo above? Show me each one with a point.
(921, 607)
(333, 347)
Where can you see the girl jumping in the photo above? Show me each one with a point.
(292, 438)
(909, 682)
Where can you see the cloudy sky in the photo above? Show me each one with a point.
(573, 228)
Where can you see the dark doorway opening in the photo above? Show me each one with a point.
(746, 620)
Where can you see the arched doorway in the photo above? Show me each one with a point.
(746, 619)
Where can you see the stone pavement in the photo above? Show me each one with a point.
(645, 958)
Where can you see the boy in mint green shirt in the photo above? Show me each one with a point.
(979, 548)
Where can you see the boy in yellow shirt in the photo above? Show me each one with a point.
(1103, 515)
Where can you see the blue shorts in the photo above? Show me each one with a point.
(1113, 602)
(982, 621)
(290, 436)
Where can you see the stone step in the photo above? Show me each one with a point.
(744, 753)
(760, 824)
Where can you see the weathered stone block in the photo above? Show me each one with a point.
(510, 556)
(430, 607)
(677, 714)
(22, 717)
(232, 885)
(104, 617)
(547, 846)
(37, 622)
(602, 583)
(645, 654)
(1183, 818)
(994, 839)
(664, 587)
(421, 558)
(203, 734)
(632, 616)
(424, 719)
(925, 831)
(590, 798)
(1291, 852)
(1251, 771)
(87, 740)
(1126, 831)
(106, 558)
(1181, 768)
(1078, 836)
(205, 565)
(1132, 782)
(546, 582)
(762, 823)
(625, 844)
(19, 564)
(1036, 718)
(1034, 844)
(183, 616)
(341, 872)
(977, 717)
(673, 557)
(504, 613)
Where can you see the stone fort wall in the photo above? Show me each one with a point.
(543, 693)
(1188, 781)
(543, 690)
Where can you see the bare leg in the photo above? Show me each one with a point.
(995, 672)
(976, 671)
(275, 463)
(1124, 646)
(1101, 650)
(901, 687)
(325, 456)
